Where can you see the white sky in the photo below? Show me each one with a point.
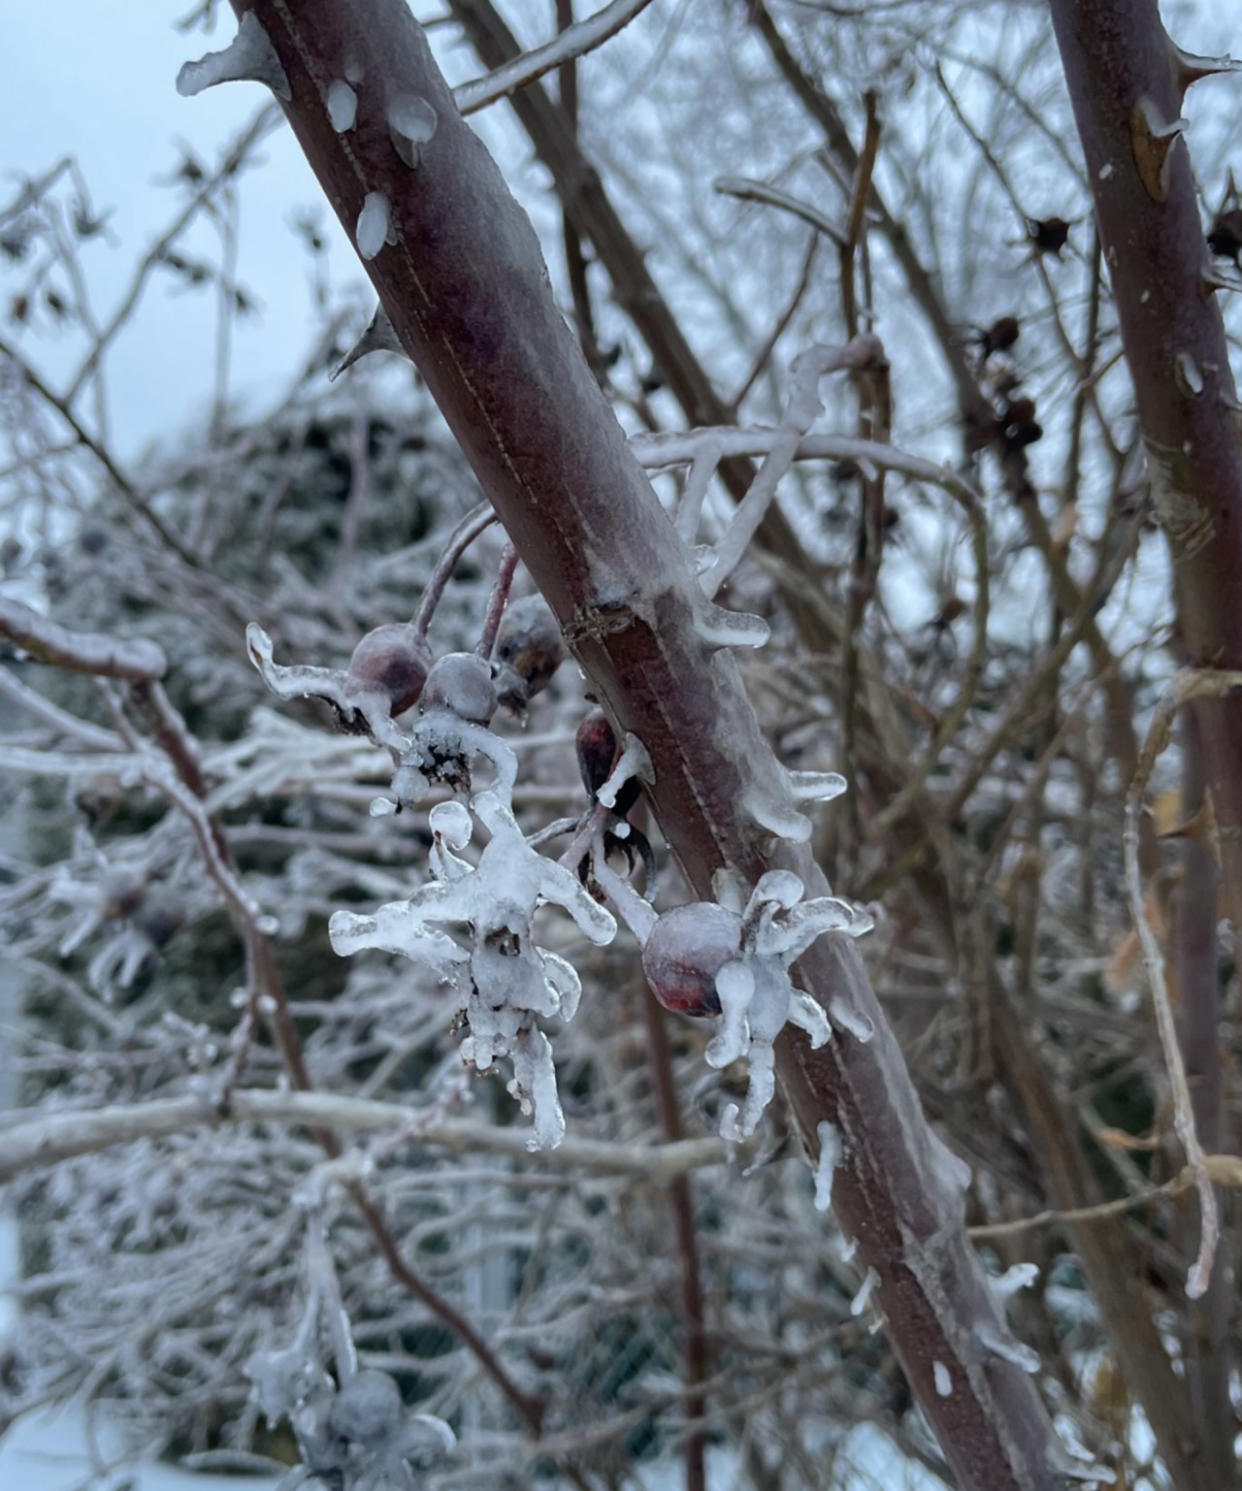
(96, 81)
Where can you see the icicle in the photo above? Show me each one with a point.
(342, 106)
(815, 786)
(829, 1159)
(943, 1380)
(777, 819)
(863, 1298)
(411, 124)
(249, 57)
(843, 1013)
(1008, 1349)
(721, 628)
(373, 223)
(633, 762)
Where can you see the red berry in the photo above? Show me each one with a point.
(597, 754)
(461, 683)
(687, 948)
(394, 657)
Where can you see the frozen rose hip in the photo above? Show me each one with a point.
(687, 948)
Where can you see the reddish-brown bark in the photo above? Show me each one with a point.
(464, 285)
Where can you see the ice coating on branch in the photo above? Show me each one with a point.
(411, 124)
(502, 980)
(943, 1380)
(757, 996)
(1020, 1276)
(1070, 1458)
(632, 762)
(841, 1012)
(1008, 1348)
(373, 223)
(863, 1298)
(342, 106)
(362, 705)
(249, 57)
(829, 1159)
(721, 628)
(457, 700)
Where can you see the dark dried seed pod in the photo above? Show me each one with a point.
(1225, 235)
(529, 649)
(1048, 234)
(394, 657)
(687, 948)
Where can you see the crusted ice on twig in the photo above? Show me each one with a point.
(1008, 1348)
(359, 706)
(943, 1379)
(249, 57)
(502, 980)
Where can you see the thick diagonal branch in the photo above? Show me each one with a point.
(464, 285)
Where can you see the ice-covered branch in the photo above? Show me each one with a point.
(28, 1144)
(574, 41)
(139, 661)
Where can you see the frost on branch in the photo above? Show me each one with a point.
(502, 980)
(702, 956)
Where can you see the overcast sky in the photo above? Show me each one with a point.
(97, 82)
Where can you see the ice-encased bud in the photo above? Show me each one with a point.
(368, 1407)
(687, 948)
(394, 657)
(461, 683)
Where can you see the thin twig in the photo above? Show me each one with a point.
(1199, 684)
